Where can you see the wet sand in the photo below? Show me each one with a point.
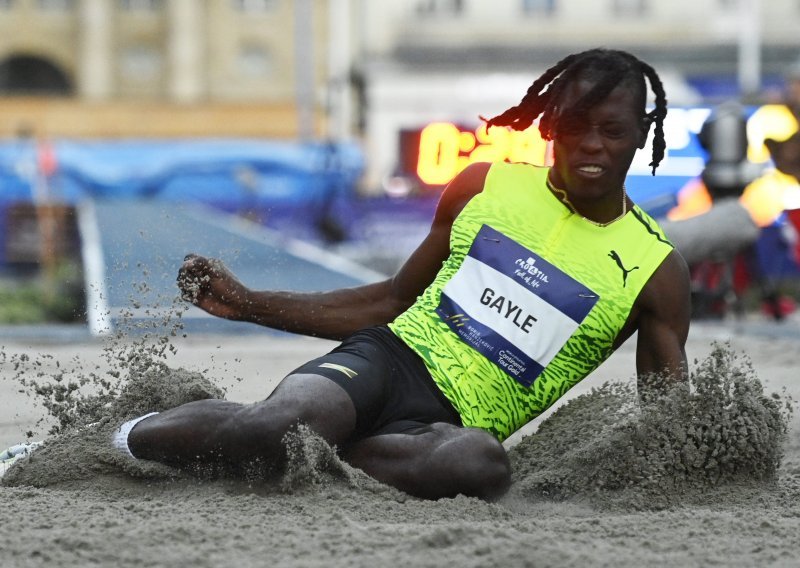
(77, 503)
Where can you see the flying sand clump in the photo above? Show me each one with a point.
(605, 446)
(84, 405)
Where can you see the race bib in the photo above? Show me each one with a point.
(512, 306)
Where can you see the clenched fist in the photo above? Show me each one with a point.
(208, 284)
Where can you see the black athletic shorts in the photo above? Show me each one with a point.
(388, 383)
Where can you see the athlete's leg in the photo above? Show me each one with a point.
(233, 434)
(439, 460)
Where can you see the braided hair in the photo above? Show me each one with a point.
(609, 68)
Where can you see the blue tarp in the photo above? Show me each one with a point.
(260, 178)
(209, 170)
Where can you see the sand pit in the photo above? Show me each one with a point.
(709, 477)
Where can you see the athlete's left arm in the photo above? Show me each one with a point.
(664, 312)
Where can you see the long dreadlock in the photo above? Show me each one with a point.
(610, 68)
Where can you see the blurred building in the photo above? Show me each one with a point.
(159, 67)
(697, 36)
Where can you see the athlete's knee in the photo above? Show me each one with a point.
(486, 471)
(471, 462)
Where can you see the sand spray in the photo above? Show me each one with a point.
(84, 403)
(604, 446)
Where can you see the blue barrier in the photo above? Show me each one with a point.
(184, 169)
(230, 174)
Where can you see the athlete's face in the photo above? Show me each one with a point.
(592, 153)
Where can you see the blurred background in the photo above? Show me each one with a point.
(306, 142)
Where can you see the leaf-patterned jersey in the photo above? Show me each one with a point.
(506, 331)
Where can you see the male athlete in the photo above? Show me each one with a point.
(529, 278)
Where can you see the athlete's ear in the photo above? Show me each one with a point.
(644, 130)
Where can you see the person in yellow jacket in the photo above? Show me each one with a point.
(762, 192)
(528, 279)
(765, 138)
(773, 134)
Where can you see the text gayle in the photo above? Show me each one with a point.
(507, 309)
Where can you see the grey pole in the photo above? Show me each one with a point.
(749, 64)
(304, 67)
(339, 64)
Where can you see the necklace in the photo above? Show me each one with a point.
(562, 196)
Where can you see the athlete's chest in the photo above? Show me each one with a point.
(603, 259)
(512, 305)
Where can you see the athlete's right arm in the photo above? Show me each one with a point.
(335, 314)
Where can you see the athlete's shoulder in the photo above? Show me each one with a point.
(468, 183)
(668, 291)
(649, 226)
(470, 178)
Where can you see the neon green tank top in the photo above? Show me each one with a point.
(529, 301)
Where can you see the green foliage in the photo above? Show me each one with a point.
(36, 301)
(21, 303)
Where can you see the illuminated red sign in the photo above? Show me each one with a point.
(441, 150)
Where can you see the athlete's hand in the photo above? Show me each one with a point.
(208, 284)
